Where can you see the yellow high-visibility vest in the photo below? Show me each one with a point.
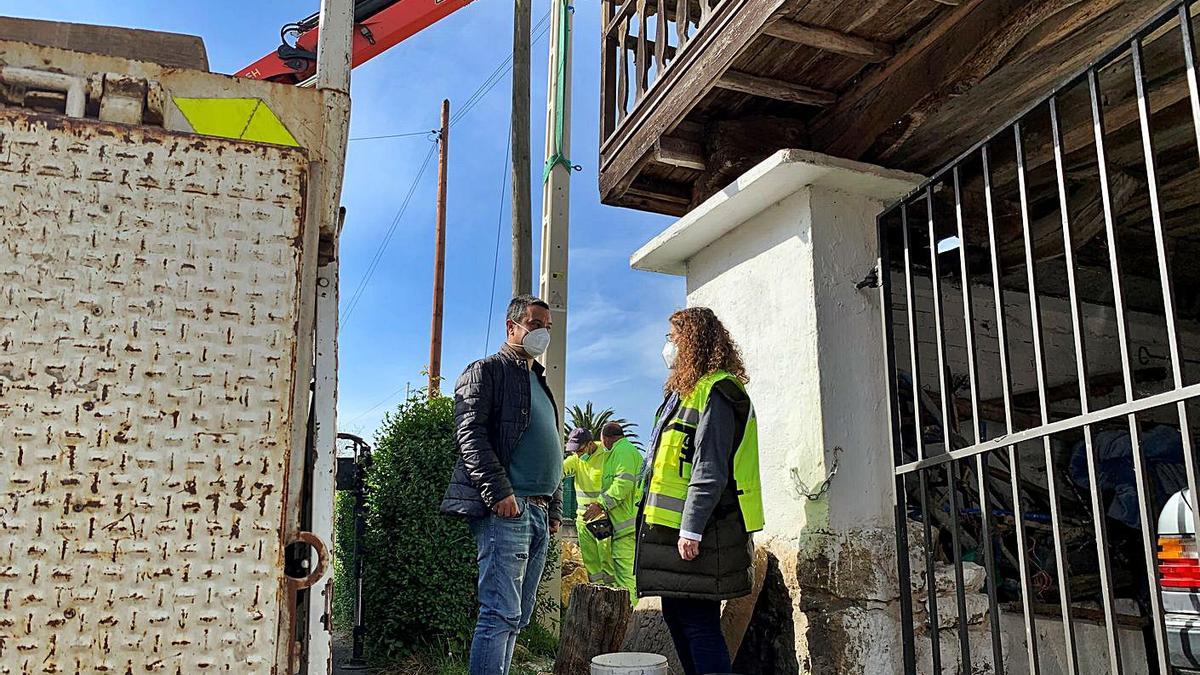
(672, 471)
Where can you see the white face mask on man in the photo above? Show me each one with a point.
(669, 353)
(535, 342)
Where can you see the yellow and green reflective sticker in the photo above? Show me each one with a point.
(247, 119)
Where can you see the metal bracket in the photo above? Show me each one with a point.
(871, 280)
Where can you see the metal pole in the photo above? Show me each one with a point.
(1145, 494)
(556, 195)
(362, 461)
(439, 258)
(522, 209)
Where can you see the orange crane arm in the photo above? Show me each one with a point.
(378, 26)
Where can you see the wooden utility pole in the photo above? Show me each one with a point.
(439, 257)
(522, 209)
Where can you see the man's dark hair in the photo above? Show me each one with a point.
(612, 430)
(518, 305)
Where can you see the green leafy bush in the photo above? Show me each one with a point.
(420, 567)
(343, 561)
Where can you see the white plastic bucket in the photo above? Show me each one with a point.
(630, 663)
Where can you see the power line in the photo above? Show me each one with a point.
(540, 31)
(495, 77)
(368, 411)
(487, 341)
(404, 135)
(386, 239)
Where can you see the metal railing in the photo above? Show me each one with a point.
(1016, 213)
(639, 42)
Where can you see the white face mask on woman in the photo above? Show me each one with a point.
(669, 353)
(535, 342)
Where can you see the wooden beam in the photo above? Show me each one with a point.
(651, 46)
(1118, 114)
(954, 54)
(166, 49)
(1087, 221)
(733, 146)
(779, 90)
(1062, 44)
(680, 153)
(660, 191)
(828, 40)
(650, 205)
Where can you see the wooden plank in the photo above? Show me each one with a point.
(777, 89)
(711, 51)
(1120, 111)
(833, 41)
(871, 107)
(665, 192)
(993, 50)
(649, 205)
(167, 49)
(681, 153)
(1066, 44)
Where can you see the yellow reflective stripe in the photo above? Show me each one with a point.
(245, 119)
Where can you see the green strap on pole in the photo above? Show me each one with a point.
(557, 156)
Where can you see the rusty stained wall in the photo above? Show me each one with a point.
(148, 309)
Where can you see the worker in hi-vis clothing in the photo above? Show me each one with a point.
(585, 465)
(607, 494)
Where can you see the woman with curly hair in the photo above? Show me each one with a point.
(703, 494)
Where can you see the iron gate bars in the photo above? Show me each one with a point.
(937, 464)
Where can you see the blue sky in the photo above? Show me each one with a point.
(618, 315)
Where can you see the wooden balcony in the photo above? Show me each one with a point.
(696, 91)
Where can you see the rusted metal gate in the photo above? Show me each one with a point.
(1032, 306)
(149, 323)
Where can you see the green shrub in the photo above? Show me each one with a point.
(420, 567)
(343, 562)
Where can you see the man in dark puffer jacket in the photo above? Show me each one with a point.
(508, 479)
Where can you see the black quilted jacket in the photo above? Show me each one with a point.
(491, 411)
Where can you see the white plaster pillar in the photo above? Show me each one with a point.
(777, 256)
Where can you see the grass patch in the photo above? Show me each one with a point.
(536, 648)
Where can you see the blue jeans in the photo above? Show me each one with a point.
(512, 555)
(695, 627)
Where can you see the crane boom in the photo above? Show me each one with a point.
(379, 25)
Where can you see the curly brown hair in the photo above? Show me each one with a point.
(704, 347)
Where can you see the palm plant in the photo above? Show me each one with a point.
(594, 420)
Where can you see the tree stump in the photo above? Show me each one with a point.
(595, 624)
